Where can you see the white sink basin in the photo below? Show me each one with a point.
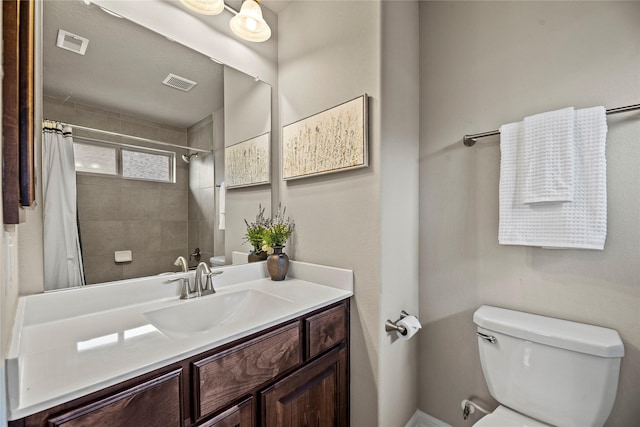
(213, 311)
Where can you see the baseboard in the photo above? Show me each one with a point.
(420, 419)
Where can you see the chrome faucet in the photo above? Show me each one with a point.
(203, 270)
(187, 291)
(182, 262)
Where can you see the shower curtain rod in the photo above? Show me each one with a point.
(470, 140)
(136, 138)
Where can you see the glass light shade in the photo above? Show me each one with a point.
(249, 23)
(205, 7)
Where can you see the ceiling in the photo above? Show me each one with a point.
(124, 67)
(125, 64)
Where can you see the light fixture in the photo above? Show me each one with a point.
(249, 23)
(205, 7)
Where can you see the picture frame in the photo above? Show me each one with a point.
(18, 185)
(248, 162)
(333, 140)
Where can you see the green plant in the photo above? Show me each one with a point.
(279, 230)
(256, 230)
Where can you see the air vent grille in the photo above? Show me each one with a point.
(178, 82)
(72, 42)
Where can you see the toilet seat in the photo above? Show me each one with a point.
(505, 417)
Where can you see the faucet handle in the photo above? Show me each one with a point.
(186, 292)
(208, 282)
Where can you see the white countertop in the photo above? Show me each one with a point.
(69, 343)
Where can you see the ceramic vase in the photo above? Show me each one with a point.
(278, 264)
(257, 256)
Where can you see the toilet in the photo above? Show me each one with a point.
(217, 261)
(545, 371)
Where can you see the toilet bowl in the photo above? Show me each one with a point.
(545, 371)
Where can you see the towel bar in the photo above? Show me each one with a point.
(470, 140)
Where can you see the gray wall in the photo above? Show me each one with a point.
(324, 60)
(488, 63)
(399, 105)
(364, 220)
(148, 218)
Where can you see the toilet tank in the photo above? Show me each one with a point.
(560, 372)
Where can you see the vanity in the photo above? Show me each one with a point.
(131, 353)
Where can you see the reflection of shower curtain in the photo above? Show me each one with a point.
(62, 255)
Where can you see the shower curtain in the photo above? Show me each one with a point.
(62, 254)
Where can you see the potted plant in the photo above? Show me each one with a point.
(273, 240)
(255, 235)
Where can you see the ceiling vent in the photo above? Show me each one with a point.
(178, 82)
(72, 42)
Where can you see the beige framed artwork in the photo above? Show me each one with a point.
(333, 140)
(248, 162)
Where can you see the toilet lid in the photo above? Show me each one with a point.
(505, 417)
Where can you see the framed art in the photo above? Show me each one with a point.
(333, 140)
(248, 162)
(18, 189)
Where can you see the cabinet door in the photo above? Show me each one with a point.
(313, 396)
(153, 403)
(240, 415)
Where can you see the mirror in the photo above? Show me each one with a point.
(117, 86)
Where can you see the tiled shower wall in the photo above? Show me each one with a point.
(148, 218)
(204, 230)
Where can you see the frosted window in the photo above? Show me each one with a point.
(95, 159)
(136, 163)
(147, 166)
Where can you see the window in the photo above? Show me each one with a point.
(95, 159)
(130, 163)
(148, 166)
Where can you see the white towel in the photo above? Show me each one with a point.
(222, 195)
(581, 223)
(549, 150)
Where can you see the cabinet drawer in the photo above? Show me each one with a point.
(220, 379)
(240, 415)
(326, 329)
(152, 403)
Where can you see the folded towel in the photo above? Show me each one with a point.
(222, 195)
(581, 223)
(549, 150)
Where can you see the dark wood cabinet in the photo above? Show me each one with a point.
(291, 375)
(152, 403)
(313, 396)
(223, 377)
(326, 329)
(240, 415)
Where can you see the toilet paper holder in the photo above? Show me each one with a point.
(391, 326)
